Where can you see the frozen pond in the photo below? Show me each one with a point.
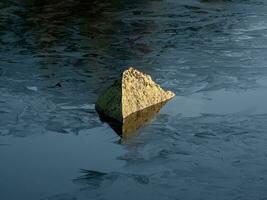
(209, 142)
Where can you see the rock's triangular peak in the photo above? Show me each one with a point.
(139, 91)
(134, 91)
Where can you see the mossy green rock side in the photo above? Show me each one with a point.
(109, 102)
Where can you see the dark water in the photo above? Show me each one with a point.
(208, 143)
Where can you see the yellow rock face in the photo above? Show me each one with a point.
(140, 92)
(133, 92)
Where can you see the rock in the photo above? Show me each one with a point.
(134, 121)
(132, 92)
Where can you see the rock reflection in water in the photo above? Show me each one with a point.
(133, 122)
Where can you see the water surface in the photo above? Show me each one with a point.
(208, 142)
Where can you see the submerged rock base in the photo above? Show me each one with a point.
(134, 121)
(132, 92)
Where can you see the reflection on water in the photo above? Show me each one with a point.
(94, 178)
(55, 58)
(134, 121)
